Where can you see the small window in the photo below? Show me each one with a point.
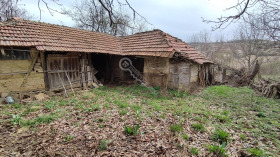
(14, 54)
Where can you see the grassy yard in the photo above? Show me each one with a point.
(136, 121)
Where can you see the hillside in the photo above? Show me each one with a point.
(137, 121)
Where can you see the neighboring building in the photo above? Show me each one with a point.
(42, 56)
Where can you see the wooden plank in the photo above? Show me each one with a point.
(83, 74)
(89, 78)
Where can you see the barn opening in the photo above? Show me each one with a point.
(109, 71)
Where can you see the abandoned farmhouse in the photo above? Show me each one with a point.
(42, 56)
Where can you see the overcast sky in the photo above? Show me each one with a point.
(180, 18)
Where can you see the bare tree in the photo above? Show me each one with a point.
(10, 8)
(215, 50)
(250, 45)
(91, 15)
(266, 14)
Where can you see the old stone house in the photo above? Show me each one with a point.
(42, 56)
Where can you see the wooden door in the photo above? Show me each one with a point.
(63, 69)
(179, 75)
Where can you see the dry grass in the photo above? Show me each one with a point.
(93, 123)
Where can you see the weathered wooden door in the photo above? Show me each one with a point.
(174, 76)
(184, 75)
(63, 70)
(179, 75)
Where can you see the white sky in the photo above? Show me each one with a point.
(180, 18)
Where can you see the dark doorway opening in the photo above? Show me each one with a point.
(109, 71)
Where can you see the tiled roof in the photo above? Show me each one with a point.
(50, 37)
(162, 44)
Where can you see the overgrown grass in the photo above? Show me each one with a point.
(240, 110)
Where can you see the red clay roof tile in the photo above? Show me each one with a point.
(49, 37)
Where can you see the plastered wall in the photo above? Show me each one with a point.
(12, 73)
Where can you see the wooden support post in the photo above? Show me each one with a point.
(36, 54)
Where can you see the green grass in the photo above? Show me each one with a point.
(240, 110)
(194, 151)
(256, 152)
(198, 127)
(103, 145)
(185, 136)
(176, 128)
(68, 138)
(218, 150)
(221, 136)
(131, 130)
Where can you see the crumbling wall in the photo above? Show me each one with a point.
(156, 71)
(194, 73)
(12, 73)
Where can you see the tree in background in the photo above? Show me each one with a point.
(10, 8)
(262, 15)
(91, 15)
(216, 50)
(251, 45)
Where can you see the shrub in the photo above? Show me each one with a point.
(131, 130)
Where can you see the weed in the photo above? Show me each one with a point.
(136, 107)
(123, 112)
(220, 136)
(49, 105)
(93, 107)
(39, 120)
(17, 106)
(157, 88)
(103, 145)
(255, 152)
(121, 104)
(198, 127)
(176, 128)
(16, 119)
(106, 105)
(218, 150)
(62, 103)
(178, 93)
(101, 125)
(185, 136)
(194, 151)
(261, 115)
(131, 130)
(223, 118)
(68, 138)
(243, 137)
